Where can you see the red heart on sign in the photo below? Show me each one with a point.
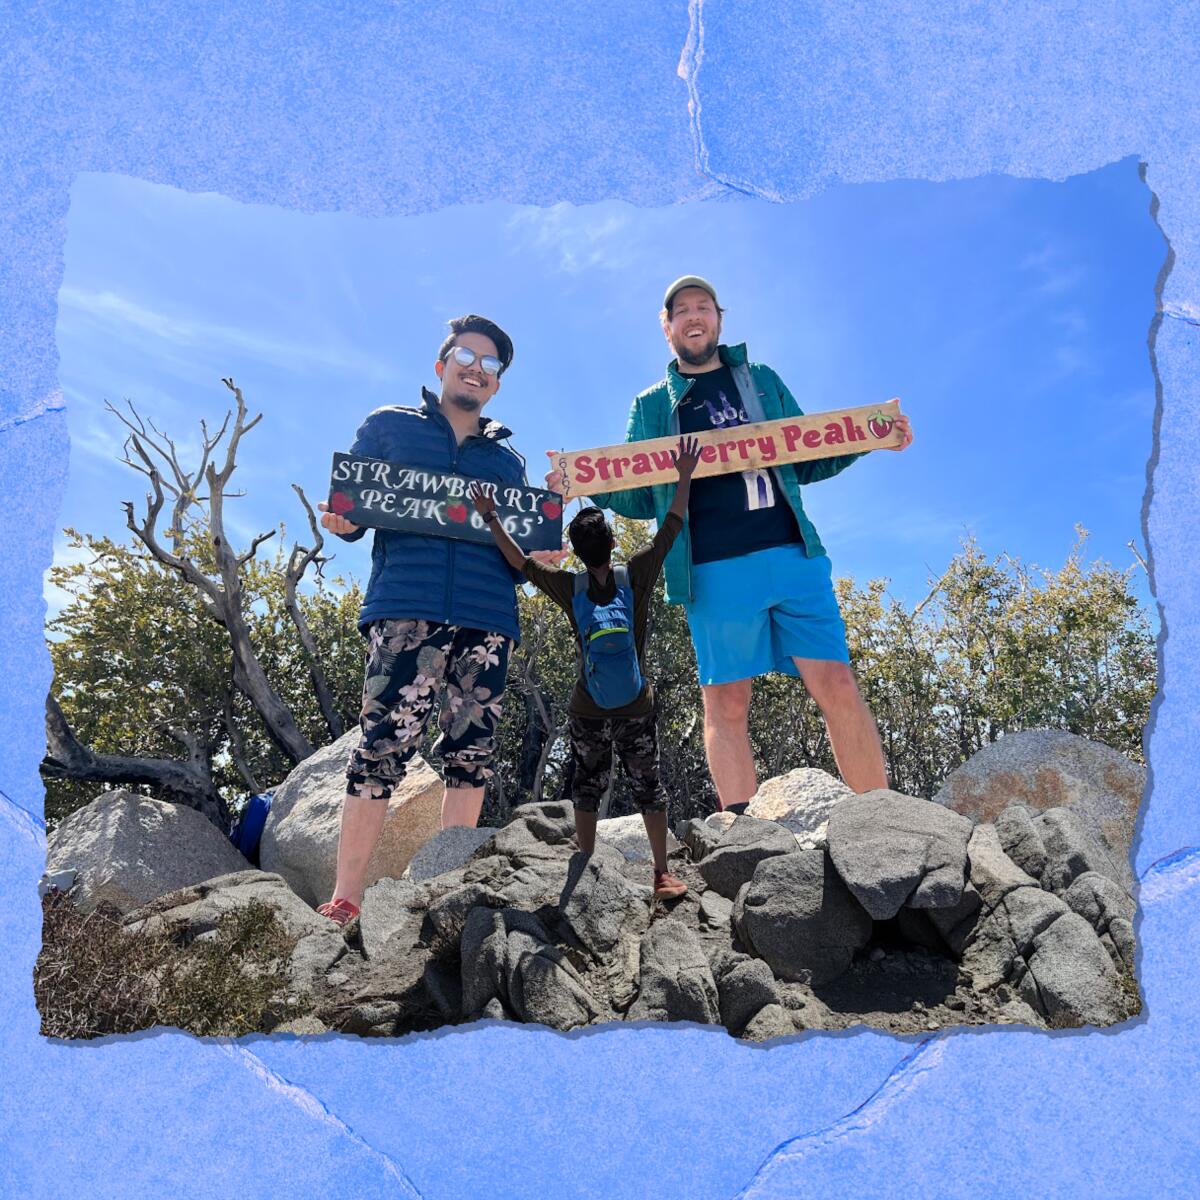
(340, 503)
(551, 508)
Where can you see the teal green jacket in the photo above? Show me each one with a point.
(655, 414)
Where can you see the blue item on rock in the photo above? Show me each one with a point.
(247, 830)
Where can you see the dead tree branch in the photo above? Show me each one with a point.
(223, 599)
(188, 783)
(299, 561)
(180, 502)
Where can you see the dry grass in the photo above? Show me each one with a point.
(95, 977)
(1131, 993)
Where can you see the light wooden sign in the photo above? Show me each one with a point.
(735, 448)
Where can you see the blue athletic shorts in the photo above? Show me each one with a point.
(753, 614)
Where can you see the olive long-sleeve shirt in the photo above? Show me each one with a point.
(644, 568)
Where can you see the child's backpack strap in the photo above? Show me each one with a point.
(620, 577)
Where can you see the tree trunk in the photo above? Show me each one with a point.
(252, 681)
(539, 777)
(187, 783)
(533, 743)
(320, 684)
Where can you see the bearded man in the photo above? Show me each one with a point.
(748, 566)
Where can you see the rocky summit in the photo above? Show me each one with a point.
(902, 914)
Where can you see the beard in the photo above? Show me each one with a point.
(465, 401)
(695, 357)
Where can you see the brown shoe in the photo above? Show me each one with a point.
(666, 886)
(339, 911)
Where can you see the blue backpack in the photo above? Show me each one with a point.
(611, 672)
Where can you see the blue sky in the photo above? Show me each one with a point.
(1010, 317)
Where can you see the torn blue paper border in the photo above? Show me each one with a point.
(388, 110)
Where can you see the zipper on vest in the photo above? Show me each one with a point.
(454, 448)
(455, 453)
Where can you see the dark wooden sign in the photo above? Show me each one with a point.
(388, 495)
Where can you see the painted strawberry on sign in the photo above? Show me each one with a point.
(880, 424)
(340, 503)
(456, 512)
(552, 509)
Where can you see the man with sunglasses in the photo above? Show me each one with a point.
(438, 614)
(748, 567)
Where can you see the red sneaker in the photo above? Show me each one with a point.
(339, 911)
(666, 886)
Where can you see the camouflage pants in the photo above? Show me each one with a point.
(408, 663)
(635, 740)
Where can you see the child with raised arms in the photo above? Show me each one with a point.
(612, 705)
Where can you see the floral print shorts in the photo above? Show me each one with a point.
(409, 663)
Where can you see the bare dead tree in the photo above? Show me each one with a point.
(184, 782)
(299, 561)
(1137, 554)
(177, 497)
(150, 452)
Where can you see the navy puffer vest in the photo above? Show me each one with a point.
(434, 578)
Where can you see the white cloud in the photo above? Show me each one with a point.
(119, 315)
(578, 239)
(1053, 275)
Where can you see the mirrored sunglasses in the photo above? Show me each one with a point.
(465, 356)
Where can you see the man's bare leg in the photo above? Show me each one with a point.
(852, 731)
(362, 823)
(727, 740)
(461, 806)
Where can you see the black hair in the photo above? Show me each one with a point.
(472, 323)
(591, 538)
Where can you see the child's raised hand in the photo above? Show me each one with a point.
(686, 456)
(484, 501)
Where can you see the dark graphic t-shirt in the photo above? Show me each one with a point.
(743, 511)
